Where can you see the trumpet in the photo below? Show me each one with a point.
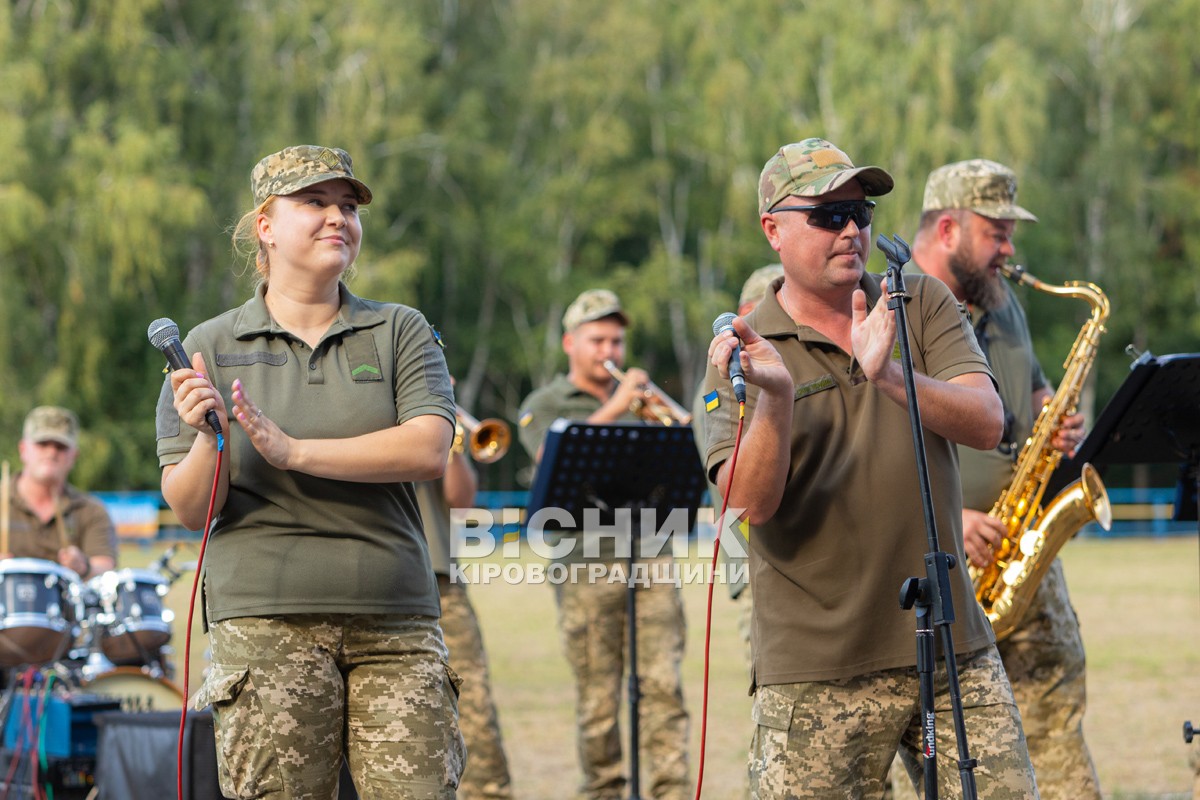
(654, 406)
(487, 440)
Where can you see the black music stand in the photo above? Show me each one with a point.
(602, 468)
(1151, 419)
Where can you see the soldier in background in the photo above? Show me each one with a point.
(486, 776)
(592, 612)
(969, 215)
(48, 517)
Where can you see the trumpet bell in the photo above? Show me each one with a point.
(489, 441)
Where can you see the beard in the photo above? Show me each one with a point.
(980, 287)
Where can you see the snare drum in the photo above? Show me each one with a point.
(136, 690)
(132, 624)
(39, 611)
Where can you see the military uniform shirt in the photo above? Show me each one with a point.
(562, 399)
(850, 528)
(287, 542)
(436, 516)
(85, 519)
(987, 473)
(1003, 335)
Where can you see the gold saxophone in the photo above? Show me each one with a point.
(1033, 535)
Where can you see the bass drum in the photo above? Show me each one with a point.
(136, 690)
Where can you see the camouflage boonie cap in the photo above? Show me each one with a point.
(756, 285)
(51, 424)
(813, 167)
(592, 305)
(294, 168)
(985, 187)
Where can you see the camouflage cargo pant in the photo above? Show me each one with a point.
(838, 738)
(486, 775)
(291, 693)
(1046, 666)
(592, 622)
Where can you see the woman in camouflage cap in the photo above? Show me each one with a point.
(319, 593)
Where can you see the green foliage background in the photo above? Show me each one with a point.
(523, 150)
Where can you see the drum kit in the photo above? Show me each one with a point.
(107, 636)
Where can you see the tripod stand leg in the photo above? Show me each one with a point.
(915, 595)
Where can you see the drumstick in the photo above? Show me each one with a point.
(4, 507)
(63, 541)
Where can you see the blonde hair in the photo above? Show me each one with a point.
(250, 250)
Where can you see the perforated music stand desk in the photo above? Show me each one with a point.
(623, 465)
(611, 467)
(1153, 418)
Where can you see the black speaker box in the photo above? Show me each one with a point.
(137, 753)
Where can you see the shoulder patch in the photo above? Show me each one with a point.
(437, 336)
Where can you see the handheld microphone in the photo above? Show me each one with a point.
(164, 335)
(737, 378)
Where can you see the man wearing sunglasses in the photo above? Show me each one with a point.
(969, 215)
(827, 476)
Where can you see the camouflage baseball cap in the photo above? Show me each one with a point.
(592, 305)
(51, 424)
(293, 168)
(756, 285)
(813, 167)
(983, 186)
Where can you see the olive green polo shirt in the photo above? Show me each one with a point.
(287, 542)
(828, 566)
(559, 398)
(1005, 334)
(85, 520)
(435, 514)
(562, 399)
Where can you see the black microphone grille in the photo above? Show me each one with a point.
(162, 331)
(723, 321)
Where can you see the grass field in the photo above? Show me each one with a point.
(1138, 602)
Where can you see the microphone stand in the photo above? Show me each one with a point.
(930, 596)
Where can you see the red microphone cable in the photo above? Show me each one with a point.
(187, 641)
(737, 443)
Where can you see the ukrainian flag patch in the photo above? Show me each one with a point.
(711, 401)
(525, 419)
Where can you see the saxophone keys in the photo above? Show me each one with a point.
(1031, 543)
(1013, 572)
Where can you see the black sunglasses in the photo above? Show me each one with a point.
(835, 216)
